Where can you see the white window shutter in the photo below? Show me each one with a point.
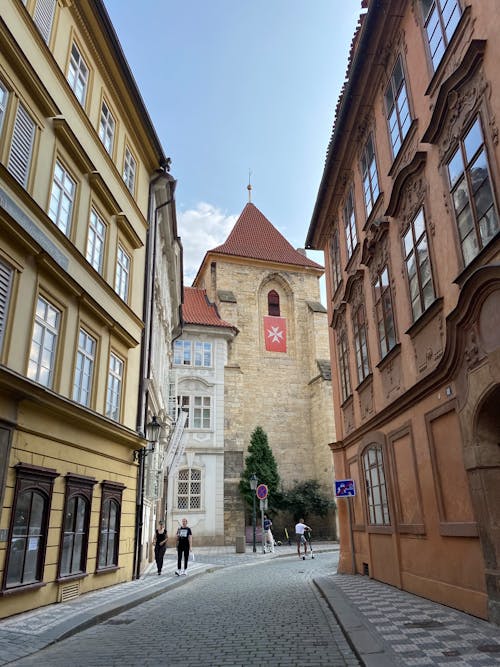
(21, 147)
(44, 16)
(5, 289)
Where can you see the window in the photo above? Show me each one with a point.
(6, 275)
(398, 111)
(182, 353)
(109, 525)
(122, 273)
(335, 261)
(273, 303)
(189, 489)
(472, 194)
(370, 177)
(418, 266)
(84, 371)
(385, 312)
(75, 529)
(378, 507)
(350, 224)
(114, 391)
(343, 356)
(441, 17)
(107, 128)
(44, 343)
(30, 522)
(96, 240)
(4, 96)
(61, 198)
(129, 169)
(43, 17)
(192, 353)
(198, 409)
(21, 148)
(78, 75)
(360, 343)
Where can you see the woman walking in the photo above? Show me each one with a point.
(160, 542)
(184, 545)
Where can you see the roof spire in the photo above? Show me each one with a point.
(249, 187)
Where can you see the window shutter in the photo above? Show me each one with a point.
(5, 288)
(44, 16)
(22, 146)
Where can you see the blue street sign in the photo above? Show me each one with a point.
(344, 488)
(261, 492)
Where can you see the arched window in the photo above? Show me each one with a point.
(189, 489)
(376, 490)
(273, 303)
(109, 528)
(28, 535)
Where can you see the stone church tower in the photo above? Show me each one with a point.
(278, 371)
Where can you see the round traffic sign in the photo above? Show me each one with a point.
(261, 491)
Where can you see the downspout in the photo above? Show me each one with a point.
(145, 361)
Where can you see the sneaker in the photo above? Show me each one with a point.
(183, 573)
(177, 573)
(303, 557)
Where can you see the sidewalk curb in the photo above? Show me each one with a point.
(368, 648)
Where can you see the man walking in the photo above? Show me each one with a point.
(268, 533)
(299, 536)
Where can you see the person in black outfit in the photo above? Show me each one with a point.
(160, 542)
(184, 544)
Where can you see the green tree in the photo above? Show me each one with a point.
(261, 461)
(306, 499)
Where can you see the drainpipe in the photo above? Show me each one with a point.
(146, 350)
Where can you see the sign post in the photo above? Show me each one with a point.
(261, 494)
(345, 488)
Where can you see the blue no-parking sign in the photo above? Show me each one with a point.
(344, 488)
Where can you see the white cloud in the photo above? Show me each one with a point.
(201, 229)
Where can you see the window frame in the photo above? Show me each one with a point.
(113, 408)
(60, 183)
(123, 272)
(189, 495)
(350, 226)
(55, 331)
(89, 362)
(335, 260)
(76, 73)
(80, 487)
(273, 303)
(6, 285)
(4, 103)
(195, 411)
(128, 158)
(445, 38)
(344, 370)
(403, 127)
(93, 234)
(377, 467)
(39, 19)
(382, 292)
(369, 176)
(19, 164)
(39, 480)
(107, 127)
(111, 492)
(466, 178)
(416, 241)
(360, 335)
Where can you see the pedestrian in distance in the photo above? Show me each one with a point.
(299, 536)
(268, 533)
(160, 544)
(184, 546)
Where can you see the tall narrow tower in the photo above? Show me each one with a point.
(278, 371)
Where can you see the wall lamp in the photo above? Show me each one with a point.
(152, 434)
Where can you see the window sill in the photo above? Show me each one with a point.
(352, 258)
(375, 212)
(393, 352)
(459, 529)
(483, 257)
(411, 529)
(71, 577)
(425, 318)
(383, 530)
(347, 402)
(23, 589)
(107, 570)
(365, 382)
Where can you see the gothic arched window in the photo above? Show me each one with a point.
(273, 303)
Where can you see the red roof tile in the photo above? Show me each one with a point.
(255, 237)
(197, 309)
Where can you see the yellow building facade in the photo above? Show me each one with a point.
(77, 152)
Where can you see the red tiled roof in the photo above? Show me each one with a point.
(197, 309)
(255, 237)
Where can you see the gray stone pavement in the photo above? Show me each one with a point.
(384, 626)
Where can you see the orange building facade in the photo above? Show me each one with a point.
(408, 216)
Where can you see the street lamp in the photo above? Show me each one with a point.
(253, 486)
(152, 434)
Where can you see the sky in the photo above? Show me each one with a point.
(235, 90)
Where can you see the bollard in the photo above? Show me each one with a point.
(240, 544)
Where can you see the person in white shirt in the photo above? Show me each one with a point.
(299, 536)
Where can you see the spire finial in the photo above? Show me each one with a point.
(249, 187)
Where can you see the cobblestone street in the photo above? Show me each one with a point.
(269, 613)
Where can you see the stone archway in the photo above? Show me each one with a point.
(485, 482)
